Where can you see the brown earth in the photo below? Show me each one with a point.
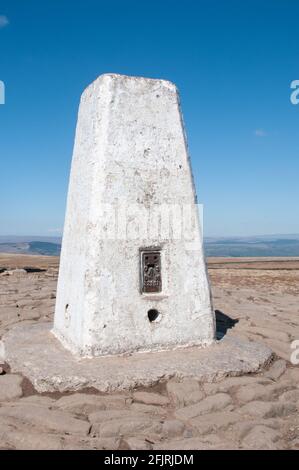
(254, 298)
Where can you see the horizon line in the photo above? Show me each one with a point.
(205, 236)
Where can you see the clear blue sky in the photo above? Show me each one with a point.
(233, 62)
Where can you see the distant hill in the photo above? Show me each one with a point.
(275, 245)
(45, 248)
(21, 245)
(280, 245)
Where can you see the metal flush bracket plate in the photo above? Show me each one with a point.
(150, 269)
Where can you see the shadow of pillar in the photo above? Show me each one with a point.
(223, 323)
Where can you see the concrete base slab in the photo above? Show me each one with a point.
(33, 351)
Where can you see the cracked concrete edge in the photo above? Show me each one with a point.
(32, 351)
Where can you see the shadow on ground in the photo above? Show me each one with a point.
(223, 323)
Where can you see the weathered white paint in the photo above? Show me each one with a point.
(130, 147)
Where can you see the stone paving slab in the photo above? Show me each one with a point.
(33, 351)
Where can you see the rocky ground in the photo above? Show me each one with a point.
(256, 299)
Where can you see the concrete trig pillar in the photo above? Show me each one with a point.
(132, 272)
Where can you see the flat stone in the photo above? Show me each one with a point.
(207, 405)
(107, 443)
(10, 387)
(281, 349)
(82, 403)
(16, 272)
(293, 375)
(184, 393)
(86, 443)
(27, 440)
(261, 438)
(127, 426)
(134, 443)
(79, 443)
(172, 428)
(291, 395)
(9, 315)
(150, 409)
(262, 409)
(108, 415)
(268, 333)
(214, 422)
(45, 419)
(28, 303)
(47, 402)
(212, 442)
(255, 392)
(230, 383)
(283, 385)
(38, 355)
(276, 370)
(150, 398)
(241, 428)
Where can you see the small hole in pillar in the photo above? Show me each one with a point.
(153, 315)
(66, 315)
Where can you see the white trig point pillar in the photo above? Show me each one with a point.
(132, 271)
